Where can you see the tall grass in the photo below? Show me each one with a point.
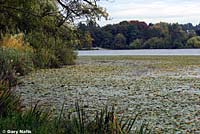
(103, 122)
(9, 102)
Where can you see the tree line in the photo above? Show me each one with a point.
(139, 35)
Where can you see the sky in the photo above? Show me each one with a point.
(152, 11)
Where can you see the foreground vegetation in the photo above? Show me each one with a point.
(39, 121)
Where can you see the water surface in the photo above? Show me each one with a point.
(139, 52)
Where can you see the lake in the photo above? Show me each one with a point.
(165, 91)
(139, 52)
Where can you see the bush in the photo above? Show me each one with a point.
(15, 58)
(50, 51)
(66, 55)
(14, 62)
(45, 58)
(15, 42)
(48, 58)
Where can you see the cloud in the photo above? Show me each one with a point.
(181, 11)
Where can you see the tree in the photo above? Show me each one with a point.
(164, 35)
(119, 41)
(106, 41)
(80, 9)
(194, 42)
(48, 24)
(154, 43)
(86, 40)
(136, 44)
(15, 11)
(177, 36)
(162, 28)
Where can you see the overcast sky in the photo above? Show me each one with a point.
(153, 11)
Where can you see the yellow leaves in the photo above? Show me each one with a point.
(15, 42)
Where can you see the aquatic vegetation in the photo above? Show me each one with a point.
(40, 119)
(164, 89)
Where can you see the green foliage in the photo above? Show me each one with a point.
(154, 42)
(162, 29)
(7, 72)
(86, 40)
(24, 15)
(104, 122)
(34, 119)
(65, 55)
(45, 58)
(9, 102)
(51, 51)
(136, 44)
(14, 62)
(194, 42)
(48, 29)
(163, 35)
(13, 118)
(15, 57)
(177, 36)
(119, 41)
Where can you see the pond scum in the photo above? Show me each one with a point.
(143, 95)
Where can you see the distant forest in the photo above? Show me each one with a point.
(139, 35)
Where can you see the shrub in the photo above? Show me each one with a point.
(53, 58)
(15, 42)
(66, 55)
(51, 51)
(21, 62)
(15, 58)
(45, 58)
(14, 62)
